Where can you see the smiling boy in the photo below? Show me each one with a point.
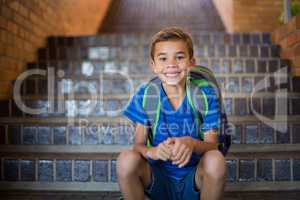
(178, 165)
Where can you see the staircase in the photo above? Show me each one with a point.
(67, 149)
(132, 16)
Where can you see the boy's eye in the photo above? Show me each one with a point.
(180, 57)
(162, 59)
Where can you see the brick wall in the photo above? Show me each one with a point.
(250, 16)
(256, 15)
(84, 17)
(288, 37)
(25, 25)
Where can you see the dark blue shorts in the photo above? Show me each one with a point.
(163, 187)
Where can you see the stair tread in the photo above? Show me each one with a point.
(110, 187)
(123, 120)
(113, 149)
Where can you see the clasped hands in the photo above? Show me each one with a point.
(176, 149)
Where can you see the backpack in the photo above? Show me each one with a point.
(197, 78)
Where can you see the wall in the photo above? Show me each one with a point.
(84, 17)
(250, 15)
(25, 25)
(288, 37)
(225, 9)
(256, 15)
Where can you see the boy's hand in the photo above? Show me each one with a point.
(161, 152)
(182, 149)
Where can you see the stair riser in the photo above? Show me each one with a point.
(88, 133)
(84, 106)
(114, 84)
(130, 68)
(85, 170)
(143, 39)
(141, 52)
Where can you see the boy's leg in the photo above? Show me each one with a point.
(133, 173)
(210, 176)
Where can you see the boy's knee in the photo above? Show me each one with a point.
(128, 162)
(214, 164)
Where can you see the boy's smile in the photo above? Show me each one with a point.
(172, 61)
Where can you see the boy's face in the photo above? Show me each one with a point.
(171, 61)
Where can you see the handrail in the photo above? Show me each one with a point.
(287, 11)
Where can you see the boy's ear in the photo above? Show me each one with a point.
(152, 65)
(193, 62)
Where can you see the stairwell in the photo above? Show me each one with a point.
(72, 144)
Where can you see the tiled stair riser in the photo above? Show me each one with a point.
(78, 170)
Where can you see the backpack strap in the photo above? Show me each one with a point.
(200, 75)
(151, 105)
(198, 102)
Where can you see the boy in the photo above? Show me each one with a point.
(178, 165)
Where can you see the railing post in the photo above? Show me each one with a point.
(287, 11)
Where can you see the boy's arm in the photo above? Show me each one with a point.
(210, 142)
(141, 134)
(161, 152)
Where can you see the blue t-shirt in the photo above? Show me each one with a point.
(175, 123)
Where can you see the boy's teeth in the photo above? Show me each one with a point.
(172, 74)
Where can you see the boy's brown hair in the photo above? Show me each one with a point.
(169, 34)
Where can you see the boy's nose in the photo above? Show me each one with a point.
(172, 63)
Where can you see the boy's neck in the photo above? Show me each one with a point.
(175, 91)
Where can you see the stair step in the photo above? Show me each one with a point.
(118, 131)
(123, 84)
(209, 61)
(77, 195)
(141, 52)
(125, 96)
(123, 120)
(94, 169)
(96, 187)
(241, 105)
(125, 68)
(121, 75)
(113, 150)
(143, 38)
